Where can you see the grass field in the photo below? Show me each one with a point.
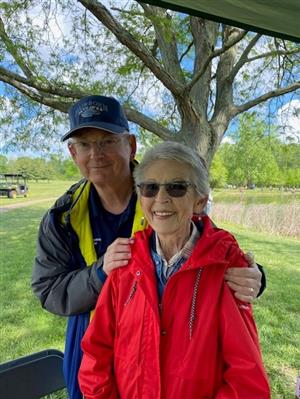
(26, 328)
(40, 190)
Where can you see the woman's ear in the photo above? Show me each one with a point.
(200, 204)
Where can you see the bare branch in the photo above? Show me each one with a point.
(186, 51)
(123, 11)
(244, 57)
(52, 102)
(166, 39)
(273, 54)
(128, 40)
(149, 124)
(271, 94)
(12, 49)
(57, 90)
(213, 55)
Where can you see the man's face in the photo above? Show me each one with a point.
(103, 158)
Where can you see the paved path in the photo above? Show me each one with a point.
(10, 207)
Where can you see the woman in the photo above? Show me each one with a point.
(168, 326)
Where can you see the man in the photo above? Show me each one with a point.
(87, 226)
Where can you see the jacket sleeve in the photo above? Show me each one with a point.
(96, 378)
(62, 284)
(263, 280)
(244, 375)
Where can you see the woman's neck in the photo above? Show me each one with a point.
(172, 244)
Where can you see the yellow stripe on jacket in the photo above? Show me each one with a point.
(80, 222)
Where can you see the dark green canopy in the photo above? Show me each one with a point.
(279, 18)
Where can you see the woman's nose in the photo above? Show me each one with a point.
(162, 195)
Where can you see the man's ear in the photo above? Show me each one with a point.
(200, 204)
(132, 142)
(72, 151)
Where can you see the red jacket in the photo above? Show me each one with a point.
(199, 343)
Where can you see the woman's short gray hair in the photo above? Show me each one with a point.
(170, 150)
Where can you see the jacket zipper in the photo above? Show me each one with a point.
(131, 293)
(194, 300)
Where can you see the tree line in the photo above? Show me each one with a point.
(254, 156)
(52, 168)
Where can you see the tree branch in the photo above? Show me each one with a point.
(147, 123)
(244, 57)
(12, 49)
(213, 55)
(52, 102)
(166, 40)
(274, 53)
(14, 79)
(128, 40)
(186, 51)
(271, 94)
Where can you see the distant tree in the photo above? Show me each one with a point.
(34, 168)
(251, 159)
(3, 164)
(22, 165)
(218, 172)
(70, 170)
(292, 178)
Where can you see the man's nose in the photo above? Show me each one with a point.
(97, 149)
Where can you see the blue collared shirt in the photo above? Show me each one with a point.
(165, 269)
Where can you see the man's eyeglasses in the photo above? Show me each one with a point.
(85, 146)
(174, 189)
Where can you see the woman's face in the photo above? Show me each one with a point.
(168, 215)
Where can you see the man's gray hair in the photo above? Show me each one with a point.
(170, 150)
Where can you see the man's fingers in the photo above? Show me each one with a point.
(247, 272)
(244, 298)
(250, 258)
(117, 254)
(242, 282)
(244, 293)
(243, 289)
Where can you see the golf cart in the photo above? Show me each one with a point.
(13, 185)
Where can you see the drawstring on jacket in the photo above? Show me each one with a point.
(194, 300)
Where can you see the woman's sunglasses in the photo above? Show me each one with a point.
(176, 189)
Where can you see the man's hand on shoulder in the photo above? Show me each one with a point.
(245, 281)
(117, 254)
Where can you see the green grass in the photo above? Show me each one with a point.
(277, 311)
(27, 328)
(40, 190)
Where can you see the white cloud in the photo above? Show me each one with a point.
(289, 121)
(227, 139)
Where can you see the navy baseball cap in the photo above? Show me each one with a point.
(100, 112)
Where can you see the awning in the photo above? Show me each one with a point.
(279, 18)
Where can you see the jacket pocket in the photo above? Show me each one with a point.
(129, 325)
